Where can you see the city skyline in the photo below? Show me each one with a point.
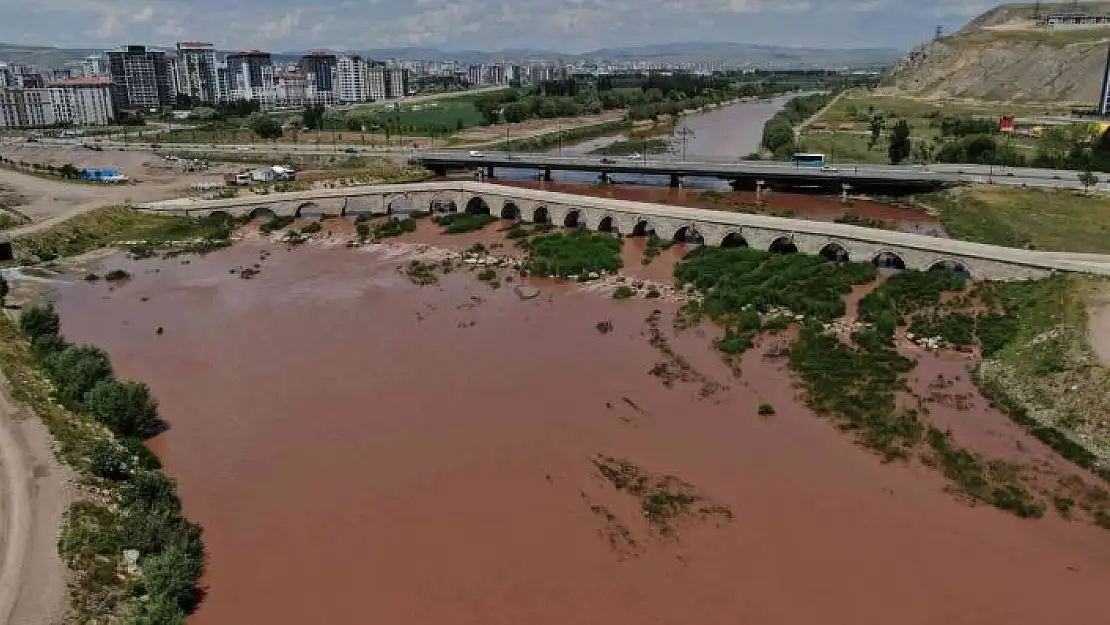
(482, 25)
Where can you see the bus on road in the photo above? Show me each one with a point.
(809, 160)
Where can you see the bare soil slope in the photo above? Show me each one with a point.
(1005, 55)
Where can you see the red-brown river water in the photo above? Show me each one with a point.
(363, 450)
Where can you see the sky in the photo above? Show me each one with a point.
(571, 26)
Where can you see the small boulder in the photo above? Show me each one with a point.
(524, 291)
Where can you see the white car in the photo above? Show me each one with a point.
(476, 154)
(829, 168)
(243, 149)
(635, 156)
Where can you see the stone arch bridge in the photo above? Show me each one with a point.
(718, 228)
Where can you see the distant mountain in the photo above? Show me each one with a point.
(738, 53)
(741, 53)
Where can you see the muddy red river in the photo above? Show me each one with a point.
(360, 449)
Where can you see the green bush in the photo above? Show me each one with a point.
(39, 321)
(171, 576)
(362, 229)
(125, 407)
(394, 228)
(312, 228)
(623, 292)
(155, 612)
(575, 253)
(76, 370)
(458, 223)
(766, 410)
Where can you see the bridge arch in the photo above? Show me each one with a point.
(262, 212)
(399, 205)
(644, 227)
(688, 234)
(952, 265)
(608, 224)
(218, 217)
(888, 259)
(734, 238)
(440, 204)
(476, 205)
(783, 245)
(310, 210)
(835, 252)
(540, 215)
(509, 210)
(573, 219)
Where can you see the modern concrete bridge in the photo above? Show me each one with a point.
(741, 174)
(719, 228)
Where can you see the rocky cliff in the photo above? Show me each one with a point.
(1007, 55)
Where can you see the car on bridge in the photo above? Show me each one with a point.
(607, 161)
(476, 154)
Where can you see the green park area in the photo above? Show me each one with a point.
(861, 125)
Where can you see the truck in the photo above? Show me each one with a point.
(237, 180)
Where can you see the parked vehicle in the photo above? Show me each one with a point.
(607, 161)
(476, 154)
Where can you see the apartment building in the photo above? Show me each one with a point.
(142, 79)
(320, 72)
(250, 76)
(82, 101)
(25, 108)
(396, 82)
(291, 88)
(92, 66)
(350, 75)
(376, 82)
(195, 71)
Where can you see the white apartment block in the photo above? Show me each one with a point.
(93, 66)
(82, 101)
(375, 83)
(397, 82)
(250, 76)
(290, 89)
(350, 74)
(26, 108)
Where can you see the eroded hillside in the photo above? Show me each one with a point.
(1006, 55)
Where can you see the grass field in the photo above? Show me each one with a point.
(843, 132)
(1061, 221)
(433, 117)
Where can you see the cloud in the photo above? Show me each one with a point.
(564, 25)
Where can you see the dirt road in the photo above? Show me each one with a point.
(35, 491)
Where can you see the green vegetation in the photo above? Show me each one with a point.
(576, 253)
(421, 274)
(458, 223)
(766, 410)
(655, 247)
(1051, 220)
(277, 222)
(778, 132)
(623, 292)
(634, 146)
(10, 220)
(567, 136)
(903, 294)
(103, 227)
(664, 499)
(394, 228)
(99, 423)
(739, 282)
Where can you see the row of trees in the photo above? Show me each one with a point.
(66, 171)
(144, 512)
(778, 133)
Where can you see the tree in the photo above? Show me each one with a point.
(76, 370)
(4, 289)
(265, 126)
(877, 124)
(1088, 178)
(171, 576)
(313, 117)
(900, 145)
(125, 407)
(40, 321)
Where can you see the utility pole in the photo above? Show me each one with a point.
(685, 133)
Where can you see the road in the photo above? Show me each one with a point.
(956, 173)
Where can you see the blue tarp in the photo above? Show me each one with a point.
(98, 174)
